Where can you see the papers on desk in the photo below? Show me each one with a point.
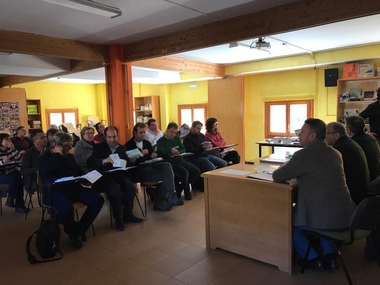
(92, 176)
(117, 161)
(264, 168)
(262, 176)
(236, 172)
(134, 153)
(274, 160)
(152, 160)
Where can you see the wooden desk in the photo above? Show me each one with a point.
(273, 144)
(248, 216)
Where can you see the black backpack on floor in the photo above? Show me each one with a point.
(47, 242)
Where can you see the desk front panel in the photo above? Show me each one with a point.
(249, 217)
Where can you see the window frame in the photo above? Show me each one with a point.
(192, 107)
(287, 103)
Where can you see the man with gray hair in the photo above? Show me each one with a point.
(354, 160)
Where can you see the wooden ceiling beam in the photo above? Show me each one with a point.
(294, 16)
(76, 66)
(182, 65)
(26, 43)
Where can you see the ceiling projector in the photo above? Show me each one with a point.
(262, 44)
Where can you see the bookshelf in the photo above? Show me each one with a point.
(33, 110)
(366, 84)
(147, 107)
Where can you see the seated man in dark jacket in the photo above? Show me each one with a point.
(116, 183)
(354, 161)
(58, 162)
(153, 171)
(196, 143)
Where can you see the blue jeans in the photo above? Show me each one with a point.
(217, 161)
(301, 243)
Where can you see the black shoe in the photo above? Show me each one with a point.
(329, 262)
(313, 264)
(119, 225)
(21, 209)
(84, 238)
(76, 241)
(188, 195)
(132, 219)
(10, 202)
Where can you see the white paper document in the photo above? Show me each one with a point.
(134, 153)
(120, 169)
(236, 172)
(264, 168)
(117, 161)
(153, 160)
(92, 176)
(262, 176)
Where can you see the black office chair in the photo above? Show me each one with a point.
(364, 219)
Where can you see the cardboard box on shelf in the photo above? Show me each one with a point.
(350, 70)
(36, 125)
(366, 70)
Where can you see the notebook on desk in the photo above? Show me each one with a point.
(274, 160)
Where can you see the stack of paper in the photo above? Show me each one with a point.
(134, 153)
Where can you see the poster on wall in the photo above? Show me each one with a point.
(9, 116)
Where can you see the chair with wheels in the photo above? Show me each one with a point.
(364, 219)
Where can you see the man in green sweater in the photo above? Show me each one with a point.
(171, 149)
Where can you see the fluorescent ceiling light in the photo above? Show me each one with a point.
(89, 6)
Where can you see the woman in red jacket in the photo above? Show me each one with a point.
(212, 135)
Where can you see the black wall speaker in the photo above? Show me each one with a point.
(331, 77)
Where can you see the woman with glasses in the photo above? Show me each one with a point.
(84, 147)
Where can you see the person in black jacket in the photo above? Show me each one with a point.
(196, 143)
(153, 171)
(58, 162)
(355, 129)
(116, 184)
(372, 112)
(29, 161)
(354, 161)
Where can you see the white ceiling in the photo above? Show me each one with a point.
(143, 19)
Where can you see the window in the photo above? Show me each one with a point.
(283, 117)
(59, 116)
(187, 114)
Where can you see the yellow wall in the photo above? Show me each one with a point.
(286, 85)
(90, 99)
